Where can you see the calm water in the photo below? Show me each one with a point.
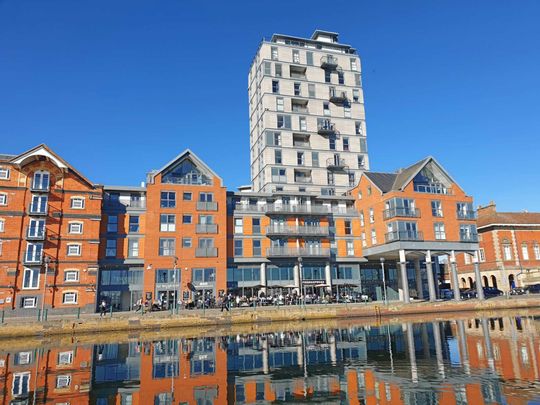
(477, 361)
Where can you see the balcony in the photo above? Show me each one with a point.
(250, 207)
(466, 215)
(33, 259)
(206, 252)
(37, 211)
(282, 209)
(335, 164)
(282, 251)
(329, 62)
(401, 212)
(40, 188)
(34, 233)
(115, 204)
(468, 237)
(303, 180)
(326, 128)
(206, 206)
(206, 228)
(338, 97)
(404, 236)
(303, 230)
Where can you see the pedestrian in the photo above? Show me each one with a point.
(102, 308)
(138, 305)
(225, 303)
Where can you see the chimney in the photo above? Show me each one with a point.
(491, 208)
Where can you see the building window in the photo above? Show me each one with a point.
(69, 298)
(77, 203)
(311, 90)
(238, 247)
(279, 174)
(28, 302)
(507, 251)
(361, 162)
(273, 138)
(279, 103)
(356, 95)
(466, 258)
(436, 209)
(297, 89)
(302, 123)
(309, 58)
(65, 358)
(4, 173)
(275, 86)
(74, 250)
(3, 199)
(71, 276)
(330, 178)
(358, 128)
(63, 381)
(350, 248)
(354, 65)
(187, 219)
(133, 223)
(41, 180)
(440, 233)
(327, 76)
(30, 278)
(357, 80)
(300, 158)
(112, 223)
(133, 247)
(295, 56)
(34, 252)
(332, 143)
(371, 216)
(345, 144)
(361, 218)
(167, 223)
(348, 227)
(482, 255)
(267, 68)
(347, 111)
(2, 225)
(256, 225)
(21, 383)
(373, 237)
(168, 199)
(238, 225)
(536, 249)
(525, 251)
(257, 247)
(284, 121)
(277, 157)
(187, 196)
(166, 247)
(326, 108)
(278, 70)
(363, 237)
(274, 52)
(315, 159)
(110, 250)
(186, 243)
(75, 227)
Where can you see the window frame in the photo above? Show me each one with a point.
(70, 302)
(75, 272)
(77, 199)
(72, 245)
(74, 223)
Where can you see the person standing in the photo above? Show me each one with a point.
(225, 303)
(102, 308)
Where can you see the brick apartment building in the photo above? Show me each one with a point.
(49, 233)
(509, 252)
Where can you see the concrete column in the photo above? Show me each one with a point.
(438, 347)
(297, 278)
(489, 346)
(300, 350)
(328, 277)
(430, 279)
(455, 280)
(264, 344)
(412, 350)
(478, 277)
(263, 278)
(425, 341)
(333, 350)
(404, 279)
(418, 276)
(463, 346)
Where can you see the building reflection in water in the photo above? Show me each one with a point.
(476, 361)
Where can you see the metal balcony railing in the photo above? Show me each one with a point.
(466, 215)
(329, 62)
(206, 252)
(35, 233)
(326, 128)
(37, 210)
(335, 164)
(33, 259)
(207, 205)
(297, 209)
(468, 237)
(338, 97)
(40, 188)
(206, 228)
(404, 236)
(250, 207)
(305, 230)
(401, 212)
(281, 251)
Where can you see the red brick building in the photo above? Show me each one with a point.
(49, 233)
(509, 249)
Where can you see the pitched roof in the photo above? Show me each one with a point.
(184, 155)
(383, 181)
(507, 218)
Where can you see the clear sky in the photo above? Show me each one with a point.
(119, 87)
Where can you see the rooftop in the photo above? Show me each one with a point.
(488, 216)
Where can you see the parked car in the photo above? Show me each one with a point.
(518, 291)
(533, 289)
(490, 292)
(446, 293)
(468, 293)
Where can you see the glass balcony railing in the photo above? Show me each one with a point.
(329, 62)
(306, 230)
(401, 212)
(466, 215)
(35, 233)
(37, 209)
(282, 251)
(468, 237)
(404, 236)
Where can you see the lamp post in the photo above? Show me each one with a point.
(384, 281)
(47, 261)
(302, 288)
(179, 283)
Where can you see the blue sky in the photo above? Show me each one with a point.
(120, 87)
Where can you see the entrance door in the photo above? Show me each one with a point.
(167, 298)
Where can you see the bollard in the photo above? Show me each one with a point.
(111, 311)
(45, 313)
(79, 313)
(3, 315)
(39, 314)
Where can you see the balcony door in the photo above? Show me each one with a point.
(41, 181)
(36, 228)
(39, 204)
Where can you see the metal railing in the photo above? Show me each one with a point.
(333, 163)
(466, 215)
(464, 237)
(39, 188)
(308, 230)
(281, 251)
(33, 259)
(250, 207)
(329, 62)
(326, 128)
(297, 209)
(206, 252)
(337, 97)
(207, 206)
(206, 228)
(110, 203)
(35, 233)
(404, 236)
(37, 210)
(401, 212)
